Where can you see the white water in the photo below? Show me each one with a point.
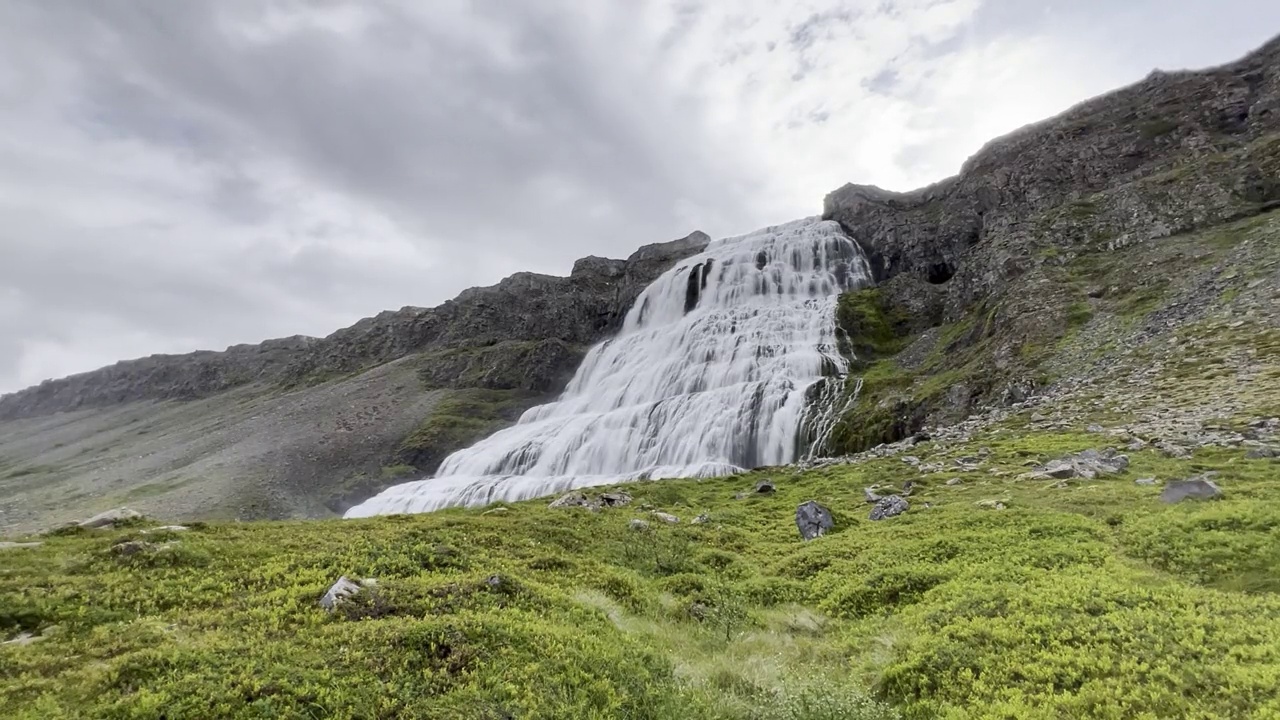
(684, 390)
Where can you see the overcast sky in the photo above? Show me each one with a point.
(184, 175)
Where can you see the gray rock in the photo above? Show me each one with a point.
(870, 495)
(570, 500)
(110, 517)
(339, 591)
(890, 506)
(813, 520)
(619, 499)
(1146, 481)
(702, 519)
(166, 528)
(638, 525)
(765, 487)
(1262, 453)
(131, 547)
(955, 481)
(19, 545)
(1087, 464)
(666, 518)
(1173, 450)
(1196, 488)
(990, 504)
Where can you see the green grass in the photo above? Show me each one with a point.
(1094, 600)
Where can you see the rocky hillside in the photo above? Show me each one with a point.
(304, 427)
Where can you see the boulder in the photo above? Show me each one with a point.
(1196, 488)
(339, 591)
(573, 499)
(130, 547)
(1087, 464)
(110, 518)
(615, 499)
(890, 506)
(813, 520)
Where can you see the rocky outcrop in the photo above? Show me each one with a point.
(551, 320)
(1206, 133)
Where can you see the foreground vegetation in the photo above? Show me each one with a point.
(1093, 600)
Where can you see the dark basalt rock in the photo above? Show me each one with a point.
(813, 520)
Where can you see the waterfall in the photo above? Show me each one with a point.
(710, 375)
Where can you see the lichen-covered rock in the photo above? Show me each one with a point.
(110, 517)
(1196, 488)
(890, 506)
(339, 591)
(813, 520)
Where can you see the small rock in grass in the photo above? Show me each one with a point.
(765, 487)
(615, 499)
(130, 547)
(339, 591)
(1146, 481)
(702, 519)
(890, 506)
(1262, 453)
(638, 525)
(813, 520)
(666, 517)
(573, 499)
(1196, 488)
(990, 504)
(954, 481)
(110, 518)
(870, 495)
(19, 545)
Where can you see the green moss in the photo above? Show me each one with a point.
(460, 419)
(1095, 600)
(872, 328)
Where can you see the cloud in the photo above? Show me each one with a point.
(183, 175)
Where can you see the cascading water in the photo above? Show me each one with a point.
(709, 376)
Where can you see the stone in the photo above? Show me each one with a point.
(1146, 481)
(1060, 469)
(907, 487)
(990, 504)
(166, 528)
(19, 545)
(1173, 450)
(1136, 444)
(955, 481)
(131, 547)
(1087, 465)
(890, 506)
(638, 525)
(1262, 453)
(110, 517)
(339, 591)
(496, 511)
(573, 499)
(23, 639)
(1095, 428)
(1196, 488)
(765, 487)
(666, 518)
(494, 582)
(618, 499)
(870, 495)
(702, 519)
(813, 520)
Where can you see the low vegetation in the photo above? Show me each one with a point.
(1091, 600)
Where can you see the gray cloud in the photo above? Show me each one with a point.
(176, 175)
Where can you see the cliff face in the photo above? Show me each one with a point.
(1172, 153)
(562, 313)
(984, 274)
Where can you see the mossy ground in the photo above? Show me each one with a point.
(1093, 600)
